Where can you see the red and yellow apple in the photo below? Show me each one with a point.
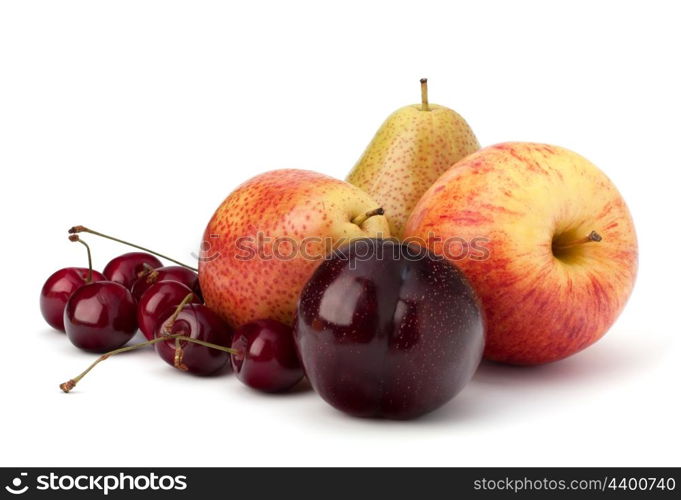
(556, 252)
(266, 239)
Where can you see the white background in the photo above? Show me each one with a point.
(137, 118)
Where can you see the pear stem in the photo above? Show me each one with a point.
(83, 229)
(71, 383)
(75, 237)
(424, 95)
(361, 218)
(593, 236)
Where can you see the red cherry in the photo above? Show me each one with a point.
(127, 268)
(155, 303)
(200, 323)
(57, 290)
(206, 325)
(266, 356)
(100, 316)
(168, 273)
(182, 272)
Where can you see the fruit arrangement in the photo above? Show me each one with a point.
(386, 290)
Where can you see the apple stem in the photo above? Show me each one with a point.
(361, 218)
(75, 237)
(83, 229)
(424, 94)
(71, 383)
(593, 236)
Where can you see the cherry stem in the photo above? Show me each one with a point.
(149, 273)
(360, 219)
(83, 229)
(71, 383)
(147, 270)
(75, 237)
(168, 325)
(167, 330)
(424, 95)
(177, 359)
(593, 236)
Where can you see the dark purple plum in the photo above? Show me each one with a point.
(386, 329)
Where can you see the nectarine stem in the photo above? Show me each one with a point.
(83, 229)
(592, 236)
(75, 237)
(424, 94)
(361, 219)
(71, 383)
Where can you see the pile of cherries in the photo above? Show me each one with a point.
(101, 312)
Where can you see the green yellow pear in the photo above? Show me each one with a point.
(413, 147)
